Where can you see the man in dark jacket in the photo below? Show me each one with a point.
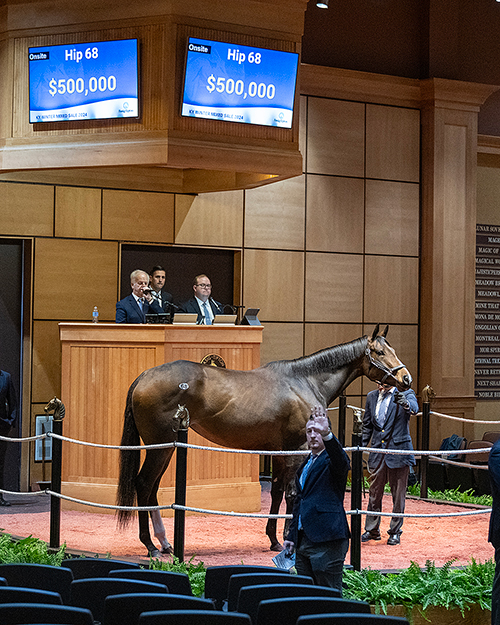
(319, 532)
(494, 533)
(386, 423)
(8, 416)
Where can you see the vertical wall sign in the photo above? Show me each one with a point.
(487, 324)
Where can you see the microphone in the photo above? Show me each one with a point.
(217, 305)
(172, 306)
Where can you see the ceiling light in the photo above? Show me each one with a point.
(323, 4)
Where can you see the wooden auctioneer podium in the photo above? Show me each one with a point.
(99, 362)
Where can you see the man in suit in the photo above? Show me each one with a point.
(157, 282)
(135, 307)
(8, 416)
(494, 531)
(202, 303)
(386, 423)
(319, 533)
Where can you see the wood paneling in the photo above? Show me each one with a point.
(282, 341)
(274, 282)
(275, 215)
(46, 373)
(209, 219)
(392, 218)
(323, 335)
(135, 216)
(78, 213)
(391, 289)
(392, 143)
(335, 137)
(335, 214)
(71, 277)
(26, 209)
(334, 287)
(488, 195)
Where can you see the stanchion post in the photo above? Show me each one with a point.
(424, 460)
(57, 407)
(180, 495)
(342, 417)
(356, 491)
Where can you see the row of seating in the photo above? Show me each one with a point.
(250, 595)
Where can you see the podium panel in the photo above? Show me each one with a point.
(99, 363)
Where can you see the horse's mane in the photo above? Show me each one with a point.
(326, 359)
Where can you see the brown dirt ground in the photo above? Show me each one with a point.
(216, 540)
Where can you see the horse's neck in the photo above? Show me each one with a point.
(334, 384)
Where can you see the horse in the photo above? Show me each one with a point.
(262, 409)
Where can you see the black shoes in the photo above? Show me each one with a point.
(394, 539)
(370, 536)
(3, 502)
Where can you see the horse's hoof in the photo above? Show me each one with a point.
(169, 551)
(154, 553)
(276, 547)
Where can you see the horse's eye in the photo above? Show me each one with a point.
(379, 352)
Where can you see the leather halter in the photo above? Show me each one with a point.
(378, 365)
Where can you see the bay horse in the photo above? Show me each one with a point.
(262, 409)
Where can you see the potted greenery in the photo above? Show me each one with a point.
(437, 595)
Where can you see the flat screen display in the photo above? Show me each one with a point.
(83, 81)
(237, 83)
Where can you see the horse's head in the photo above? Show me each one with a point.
(383, 365)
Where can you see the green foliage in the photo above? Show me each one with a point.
(455, 495)
(431, 586)
(31, 550)
(195, 572)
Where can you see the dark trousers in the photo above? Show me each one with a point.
(323, 562)
(398, 482)
(495, 593)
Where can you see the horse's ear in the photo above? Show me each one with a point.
(375, 332)
(384, 333)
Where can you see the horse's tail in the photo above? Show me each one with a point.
(130, 460)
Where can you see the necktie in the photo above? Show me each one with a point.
(306, 469)
(208, 320)
(381, 408)
(141, 304)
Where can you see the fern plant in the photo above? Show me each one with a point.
(31, 550)
(195, 572)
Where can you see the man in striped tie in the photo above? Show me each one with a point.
(319, 533)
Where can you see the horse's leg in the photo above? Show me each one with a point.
(157, 521)
(148, 479)
(277, 489)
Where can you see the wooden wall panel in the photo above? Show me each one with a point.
(334, 287)
(335, 214)
(335, 137)
(71, 277)
(303, 130)
(209, 219)
(282, 341)
(78, 213)
(404, 339)
(322, 335)
(275, 215)
(46, 363)
(26, 209)
(136, 216)
(391, 289)
(274, 282)
(488, 195)
(392, 143)
(392, 218)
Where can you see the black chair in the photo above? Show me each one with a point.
(286, 611)
(351, 619)
(236, 582)
(95, 567)
(217, 579)
(28, 613)
(126, 608)
(3, 581)
(491, 436)
(177, 583)
(40, 576)
(91, 593)
(250, 596)
(193, 617)
(16, 594)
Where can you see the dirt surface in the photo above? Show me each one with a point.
(219, 540)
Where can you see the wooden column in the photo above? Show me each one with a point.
(449, 161)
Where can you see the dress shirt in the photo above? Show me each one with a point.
(383, 400)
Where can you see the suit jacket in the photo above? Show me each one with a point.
(128, 311)
(394, 435)
(8, 399)
(494, 470)
(166, 298)
(192, 306)
(321, 503)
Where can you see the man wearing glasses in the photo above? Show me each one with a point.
(386, 423)
(202, 303)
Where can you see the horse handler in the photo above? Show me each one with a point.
(319, 532)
